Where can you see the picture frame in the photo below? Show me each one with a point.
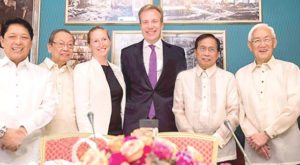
(81, 51)
(182, 38)
(211, 11)
(106, 12)
(28, 10)
(120, 40)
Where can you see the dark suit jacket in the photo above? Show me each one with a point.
(139, 91)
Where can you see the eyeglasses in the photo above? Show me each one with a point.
(62, 45)
(204, 49)
(257, 42)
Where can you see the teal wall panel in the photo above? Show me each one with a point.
(284, 16)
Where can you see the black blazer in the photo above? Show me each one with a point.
(139, 92)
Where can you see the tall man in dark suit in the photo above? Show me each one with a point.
(150, 68)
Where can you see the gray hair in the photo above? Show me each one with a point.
(259, 26)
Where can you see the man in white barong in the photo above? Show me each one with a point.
(270, 102)
(205, 96)
(27, 97)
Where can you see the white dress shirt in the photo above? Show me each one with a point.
(203, 99)
(28, 99)
(64, 121)
(159, 56)
(270, 101)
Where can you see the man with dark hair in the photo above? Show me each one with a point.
(150, 68)
(27, 96)
(205, 96)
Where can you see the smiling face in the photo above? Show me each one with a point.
(151, 25)
(207, 52)
(262, 44)
(99, 43)
(16, 43)
(61, 48)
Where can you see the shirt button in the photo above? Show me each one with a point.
(261, 92)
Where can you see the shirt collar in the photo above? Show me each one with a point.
(6, 61)
(157, 44)
(50, 64)
(209, 71)
(270, 64)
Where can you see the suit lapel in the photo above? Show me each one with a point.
(140, 62)
(165, 61)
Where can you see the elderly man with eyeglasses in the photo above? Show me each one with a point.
(60, 46)
(270, 102)
(205, 96)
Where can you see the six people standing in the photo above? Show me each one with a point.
(265, 99)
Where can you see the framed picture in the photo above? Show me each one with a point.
(184, 39)
(81, 51)
(28, 10)
(211, 11)
(122, 39)
(103, 11)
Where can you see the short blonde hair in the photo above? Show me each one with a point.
(260, 25)
(152, 7)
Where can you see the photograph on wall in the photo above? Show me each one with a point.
(28, 10)
(122, 39)
(184, 39)
(81, 51)
(103, 11)
(211, 11)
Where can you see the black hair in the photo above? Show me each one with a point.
(18, 21)
(208, 35)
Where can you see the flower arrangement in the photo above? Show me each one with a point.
(140, 149)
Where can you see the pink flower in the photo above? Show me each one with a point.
(162, 151)
(117, 159)
(142, 160)
(184, 158)
(127, 138)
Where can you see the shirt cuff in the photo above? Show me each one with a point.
(269, 134)
(220, 140)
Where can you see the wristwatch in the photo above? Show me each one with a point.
(3, 131)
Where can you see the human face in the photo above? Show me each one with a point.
(99, 43)
(16, 43)
(207, 53)
(262, 44)
(61, 49)
(151, 25)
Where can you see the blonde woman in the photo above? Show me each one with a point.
(99, 88)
